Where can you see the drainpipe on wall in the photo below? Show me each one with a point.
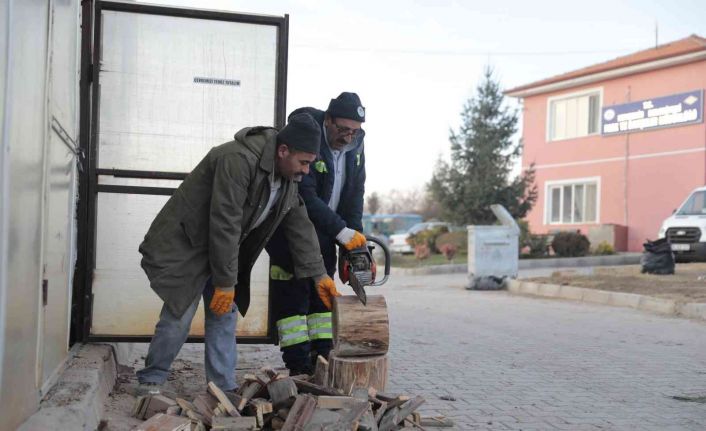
(625, 179)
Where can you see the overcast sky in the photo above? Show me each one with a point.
(415, 63)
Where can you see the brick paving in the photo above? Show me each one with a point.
(490, 360)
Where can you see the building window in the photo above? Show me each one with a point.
(574, 116)
(572, 202)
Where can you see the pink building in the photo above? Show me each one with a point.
(617, 146)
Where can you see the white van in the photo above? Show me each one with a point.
(685, 228)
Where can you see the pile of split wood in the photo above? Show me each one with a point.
(347, 395)
(273, 401)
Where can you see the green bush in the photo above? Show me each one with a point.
(427, 237)
(538, 245)
(570, 244)
(458, 239)
(604, 249)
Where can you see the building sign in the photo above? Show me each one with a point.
(668, 111)
(217, 81)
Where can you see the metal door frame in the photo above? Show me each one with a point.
(82, 300)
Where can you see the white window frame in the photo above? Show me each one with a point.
(548, 185)
(588, 91)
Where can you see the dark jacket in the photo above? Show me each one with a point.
(316, 189)
(204, 229)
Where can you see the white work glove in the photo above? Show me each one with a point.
(351, 239)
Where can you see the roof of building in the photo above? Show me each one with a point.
(693, 43)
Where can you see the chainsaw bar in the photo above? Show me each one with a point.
(358, 288)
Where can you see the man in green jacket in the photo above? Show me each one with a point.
(208, 235)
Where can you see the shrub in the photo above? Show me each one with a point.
(604, 248)
(448, 250)
(538, 245)
(427, 237)
(421, 251)
(570, 244)
(458, 239)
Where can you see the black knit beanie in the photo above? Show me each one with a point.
(302, 133)
(347, 105)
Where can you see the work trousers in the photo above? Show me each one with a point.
(171, 332)
(303, 321)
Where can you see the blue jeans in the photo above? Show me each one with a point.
(171, 333)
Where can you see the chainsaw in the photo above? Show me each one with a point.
(357, 267)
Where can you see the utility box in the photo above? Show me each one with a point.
(493, 252)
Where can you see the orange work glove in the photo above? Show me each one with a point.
(222, 301)
(350, 238)
(326, 288)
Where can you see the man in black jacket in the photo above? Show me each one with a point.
(333, 193)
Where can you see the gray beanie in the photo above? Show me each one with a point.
(347, 105)
(302, 133)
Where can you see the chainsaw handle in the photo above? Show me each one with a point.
(388, 260)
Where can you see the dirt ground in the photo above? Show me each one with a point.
(688, 284)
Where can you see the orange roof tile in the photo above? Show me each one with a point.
(687, 45)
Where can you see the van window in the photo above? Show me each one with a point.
(694, 205)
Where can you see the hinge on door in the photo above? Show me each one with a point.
(45, 291)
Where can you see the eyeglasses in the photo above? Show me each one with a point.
(345, 131)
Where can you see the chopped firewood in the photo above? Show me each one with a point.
(173, 410)
(162, 422)
(436, 421)
(360, 394)
(301, 412)
(148, 406)
(320, 372)
(395, 415)
(197, 426)
(283, 413)
(205, 405)
(396, 402)
(277, 423)
(367, 422)
(282, 390)
(223, 399)
(185, 405)
(226, 423)
(249, 390)
(323, 417)
(259, 407)
(269, 372)
(333, 403)
(311, 388)
(380, 411)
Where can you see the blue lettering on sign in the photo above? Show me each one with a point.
(668, 111)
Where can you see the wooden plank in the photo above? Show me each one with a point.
(436, 422)
(223, 399)
(329, 402)
(301, 413)
(162, 422)
(321, 372)
(226, 423)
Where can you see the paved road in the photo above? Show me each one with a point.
(516, 363)
(523, 363)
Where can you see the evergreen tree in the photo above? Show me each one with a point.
(482, 155)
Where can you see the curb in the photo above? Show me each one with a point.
(669, 307)
(563, 262)
(76, 401)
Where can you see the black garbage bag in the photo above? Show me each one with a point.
(657, 257)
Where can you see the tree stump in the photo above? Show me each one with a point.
(348, 373)
(360, 330)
